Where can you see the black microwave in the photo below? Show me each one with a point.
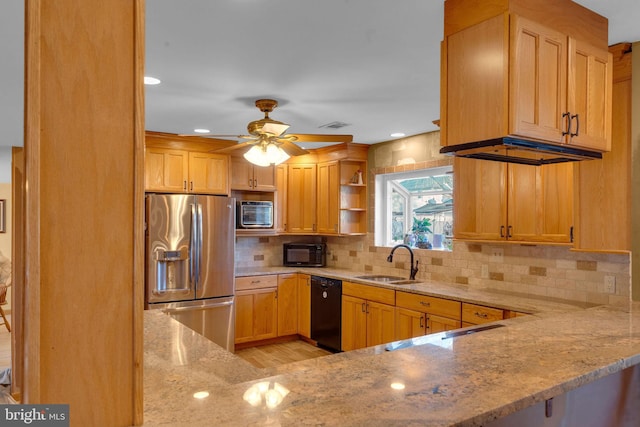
(304, 254)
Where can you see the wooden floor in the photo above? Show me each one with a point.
(272, 355)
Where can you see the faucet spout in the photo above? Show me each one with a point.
(414, 267)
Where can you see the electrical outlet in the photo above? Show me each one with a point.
(610, 284)
(485, 271)
(497, 255)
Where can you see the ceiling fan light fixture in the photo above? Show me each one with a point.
(266, 154)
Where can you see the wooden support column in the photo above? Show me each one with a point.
(84, 242)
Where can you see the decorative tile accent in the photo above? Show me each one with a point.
(537, 271)
(462, 280)
(353, 253)
(494, 275)
(474, 247)
(587, 265)
(436, 261)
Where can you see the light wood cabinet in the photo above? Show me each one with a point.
(280, 202)
(301, 198)
(474, 314)
(304, 305)
(328, 198)
(256, 307)
(536, 73)
(520, 203)
(287, 304)
(368, 316)
(603, 184)
(179, 171)
(418, 315)
(249, 177)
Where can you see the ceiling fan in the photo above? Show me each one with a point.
(266, 142)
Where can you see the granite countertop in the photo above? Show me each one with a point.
(466, 380)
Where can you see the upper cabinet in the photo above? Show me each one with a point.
(175, 164)
(498, 201)
(536, 74)
(179, 171)
(246, 176)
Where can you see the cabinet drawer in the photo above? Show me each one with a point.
(370, 293)
(477, 314)
(256, 282)
(427, 304)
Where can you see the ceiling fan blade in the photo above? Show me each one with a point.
(275, 129)
(235, 147)
(315, 137)
(292, 149)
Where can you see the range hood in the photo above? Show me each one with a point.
(522, 151)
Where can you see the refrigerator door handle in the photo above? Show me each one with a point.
(178, 309)
(199, 244)
(194, 246)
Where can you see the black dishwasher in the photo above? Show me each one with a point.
(326, 312)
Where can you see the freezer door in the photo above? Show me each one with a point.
(212, 318)
(216, 254)
(168, 247)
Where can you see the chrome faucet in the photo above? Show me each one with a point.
(414, 269)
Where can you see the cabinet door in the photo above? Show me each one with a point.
(328, 198)
(304, 305)
(301, 198)
(264, 178)
(354, 323)
(480, 195)
(241, 174)
(280, 216)
(589, 95)
(208, 173)
(256, 315)
(287, 304)
(166, 170)
(380, 323)
(265, 314)
(437, 324)
(540, 203)
(244, 307)
(538, 73)
(409, 324)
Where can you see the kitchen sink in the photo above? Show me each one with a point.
(381, 278)
(394, 280)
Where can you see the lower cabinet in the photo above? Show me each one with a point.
(267, 306)
(474, 314)
(256, 308)
(418, 315)
(304, 305)
(287, 304)
(368, 316)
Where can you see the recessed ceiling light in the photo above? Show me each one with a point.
(151, 80)
(201, 130)
(201, 394)
(397, 135)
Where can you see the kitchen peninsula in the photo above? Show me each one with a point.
(471, 379)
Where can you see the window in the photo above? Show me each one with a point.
(415, 208)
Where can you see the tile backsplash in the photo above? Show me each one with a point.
(552, 271)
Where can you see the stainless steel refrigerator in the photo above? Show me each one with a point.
(190, 246)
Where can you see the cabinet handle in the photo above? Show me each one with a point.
(191, 185)
(481, 315)
(184, 185)
(422, 321)
(575, 116)
(367, 305)
(502, 231)
(255, 281)
(250, 182)
(363, 309)
(255, 183)
(426, 304)
(509, 231)
(567, 115)
(571, 234)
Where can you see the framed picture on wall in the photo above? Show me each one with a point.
(3, 217)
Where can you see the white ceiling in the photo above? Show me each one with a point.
(373, 64)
